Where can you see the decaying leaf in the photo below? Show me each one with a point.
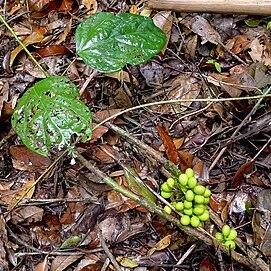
(101, 130)
(60, 263)
(36, 36)
(127, 262)
(206, 265)
(42, 266)
(181, 87)
(164, 20)
(27, 214)
(202, 27)
(260, 51)
(24, 159)
(261, 222)
(12, 197)
(162, 244)
(170, 148)
(4, 93)
(240, 174)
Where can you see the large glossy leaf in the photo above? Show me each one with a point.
(107, 42)
(49, 114)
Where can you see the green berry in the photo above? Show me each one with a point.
(167, 209)
(206, 200)
(188, 211)
(219, 236)
(189, 172)
(199, 199)
(166, 195)
(230, 244)
(205, 216)
(165, 187)
(207, 193)
(232, 235)
(189, 195)
(170, 182)
(185, 220)
(198, 210)
(194, 221)
(174, 203)
(187, 204)
(179, 206)
(199, 189)
(183, 179)
(200, 205)
(192, 182)
(226, 230)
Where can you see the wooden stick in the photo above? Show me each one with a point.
(256, 7)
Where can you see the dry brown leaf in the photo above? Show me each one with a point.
(170, 148)
(241, 173)
(134, 9)
(28, 214)
(261, 50)
(42, 266)
(122, 76)
(36, 36)
(37, 5)
(257, 49)
(207, 265)
(229, 84)
(60, 263)
(218, 202)
(87, 261)
(190, 48)
(120, 99)
(66, 32)
(186, 159)
(4, 93)
(12, 197)
(238, 44)
(102, 156)
(162, 244)
(261, 222)
(101, 130)
(183, 87)
(91, 5)
(3, 244)
(24, 159)
(164, 20)
(202, 27)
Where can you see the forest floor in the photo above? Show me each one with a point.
(57, 215)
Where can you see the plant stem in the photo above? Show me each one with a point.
(23, 46)
(250, 261)
(210, 100)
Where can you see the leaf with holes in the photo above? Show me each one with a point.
(49, 114)
(107, 42)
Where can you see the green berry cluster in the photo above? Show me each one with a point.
(227, 237)
(190, 198)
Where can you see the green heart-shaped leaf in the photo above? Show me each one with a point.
(49, 114)
(107, 42)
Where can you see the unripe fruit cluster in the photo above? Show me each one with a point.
(227, 237)
(195, 198)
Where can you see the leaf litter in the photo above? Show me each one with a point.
(72, 202)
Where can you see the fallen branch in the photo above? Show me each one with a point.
(251, 261)
(214, 6)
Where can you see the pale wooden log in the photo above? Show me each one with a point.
(256, 7)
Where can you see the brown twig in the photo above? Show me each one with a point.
(108, 252)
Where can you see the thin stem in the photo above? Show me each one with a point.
(211, 100)
(23, 46)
